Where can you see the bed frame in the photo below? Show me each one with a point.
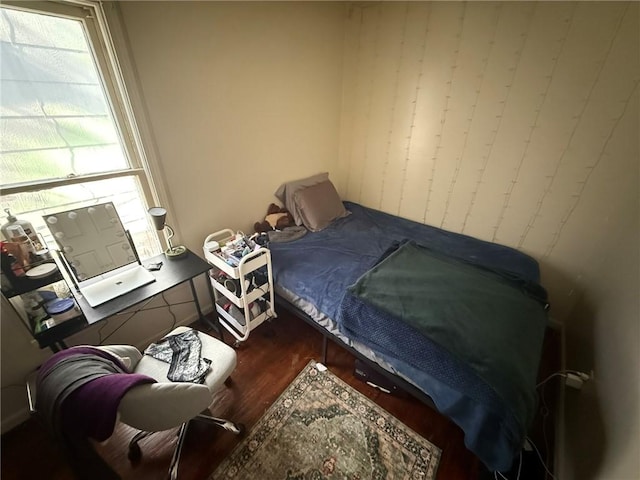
(326, 336)
(492, 415)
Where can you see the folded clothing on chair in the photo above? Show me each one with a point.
(184, 354)
(79, 390)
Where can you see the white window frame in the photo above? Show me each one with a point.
(93, 16)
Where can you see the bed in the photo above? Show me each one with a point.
(457, 320)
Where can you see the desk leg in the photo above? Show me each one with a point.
(58, 346)
(216, 325)
(195, 298)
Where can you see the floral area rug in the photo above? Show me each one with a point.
(321, 428)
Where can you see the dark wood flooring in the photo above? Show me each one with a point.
(271, 358)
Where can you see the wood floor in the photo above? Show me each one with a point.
(271, 358)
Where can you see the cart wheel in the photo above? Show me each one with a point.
(241, 429)
(237, 344)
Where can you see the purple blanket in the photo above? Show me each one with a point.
(79, 391)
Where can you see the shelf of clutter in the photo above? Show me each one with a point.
(33, 282)
(242, 280)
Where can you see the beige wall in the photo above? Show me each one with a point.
(504, 121)
(240, 97)
(517, 122)
(602, 422)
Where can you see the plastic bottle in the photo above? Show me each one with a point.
(35, 311)
(18, 235)
(26, 226)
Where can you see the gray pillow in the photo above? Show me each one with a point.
(287, 191)
(319, 205)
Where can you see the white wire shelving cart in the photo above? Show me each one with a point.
(243, 287)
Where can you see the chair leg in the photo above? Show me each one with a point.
(135, 452)
(173, 469)
(237, 428)
(134, 449)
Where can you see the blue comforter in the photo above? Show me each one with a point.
(321, 266)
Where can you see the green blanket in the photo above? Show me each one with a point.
(488, 321)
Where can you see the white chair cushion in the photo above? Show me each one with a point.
(129, 355)
(164, 405)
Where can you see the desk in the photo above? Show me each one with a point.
(172, 274)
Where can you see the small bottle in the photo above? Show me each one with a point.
(26, 227)
(35, 311)
(19, 236)
(17, 269)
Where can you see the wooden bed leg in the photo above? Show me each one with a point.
(324, 349)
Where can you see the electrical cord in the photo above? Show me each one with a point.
(173, 315)
(496, 473)
(131, 315)
(553, 375)
(102, 340)
(541, 459)
(519, 466)
(561, 373)
(544, 411)
(262, 290)
(134, 313)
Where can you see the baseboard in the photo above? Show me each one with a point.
(13, 420)
(559, 443)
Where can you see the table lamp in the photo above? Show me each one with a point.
(158, 215)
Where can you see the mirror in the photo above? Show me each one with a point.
(92, 239)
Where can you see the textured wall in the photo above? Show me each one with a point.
(493, 119)
(602, 421)
(240, 96)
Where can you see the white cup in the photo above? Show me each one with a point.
(212, 246)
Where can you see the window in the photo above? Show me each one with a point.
(68, 138)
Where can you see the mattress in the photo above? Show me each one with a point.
(316, 272)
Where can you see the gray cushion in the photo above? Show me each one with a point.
(286, 193)
(319, 205)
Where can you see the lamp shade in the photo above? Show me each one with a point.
(158, 215)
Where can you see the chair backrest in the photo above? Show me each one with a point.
(164, 404)
(157, 406)
(150, 407)
(160, 406)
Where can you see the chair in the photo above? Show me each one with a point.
(164, 405)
